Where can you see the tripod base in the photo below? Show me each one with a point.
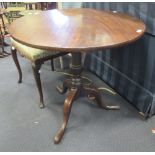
(76, 88)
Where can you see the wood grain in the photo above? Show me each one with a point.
(76, 30)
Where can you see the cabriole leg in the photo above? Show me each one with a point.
(36, 68)
(67, 108)
(14, 56)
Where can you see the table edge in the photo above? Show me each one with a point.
(82, 49)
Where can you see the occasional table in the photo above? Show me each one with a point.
(77, 31)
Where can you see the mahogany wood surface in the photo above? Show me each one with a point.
(76, 30)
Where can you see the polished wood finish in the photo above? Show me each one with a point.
(36, 72)
(15, 58)
(76, 89)
(75, 30)
(67, 109)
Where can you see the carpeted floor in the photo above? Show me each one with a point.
(25, 127)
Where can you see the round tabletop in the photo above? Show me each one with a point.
(76, 30)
